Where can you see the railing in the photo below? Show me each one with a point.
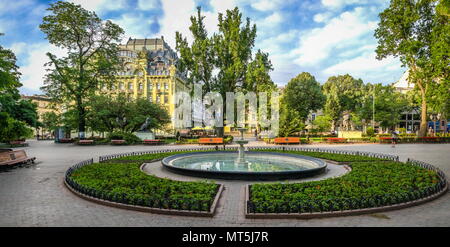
(341, 204)
(151, 202)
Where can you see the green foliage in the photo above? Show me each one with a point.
(343, 93)
(118, 113)
(370, 131)
(389, 182)
(92, 55)
(322, 123)
(116, 179)
(13, 129)
(389, 104)
(128, 137)
(303, 94)
(9, 71)
(51, 121)
(291, 122)
(418, 34)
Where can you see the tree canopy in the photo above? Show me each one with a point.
(92, 55)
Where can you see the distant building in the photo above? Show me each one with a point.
(44, 104)
(149, 72)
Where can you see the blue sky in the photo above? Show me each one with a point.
(323, 37)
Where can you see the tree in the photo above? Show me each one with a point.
(412, 31)
(9, 71)
(343, 93)
(51, 121)
(322, 123)
(13, 129)
(196, 60)
(92, 55)
(119, 113)
(290, 121)
(388, 103)
(303, 94)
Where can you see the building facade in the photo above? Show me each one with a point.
(149, 72)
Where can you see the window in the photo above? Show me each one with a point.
(130, 86)
(166, 99)
(121, 86)
(150, 98)
(157, 99)
(158, 86)
(141, 86)
(166, 86)
(150, 86)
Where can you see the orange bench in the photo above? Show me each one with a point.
(216, 140)
(10, 157)
(287, 140)
(153, 142)
(337, 140)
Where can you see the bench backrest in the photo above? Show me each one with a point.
(287, 140)
(211, 140)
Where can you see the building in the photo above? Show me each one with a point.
(44, 104)
(149, 72)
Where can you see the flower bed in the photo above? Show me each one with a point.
(368, 185)
(125, 183)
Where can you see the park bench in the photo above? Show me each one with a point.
(216, 140)
(18, 143)
(337, 140)
(153, 142)
(287, 140)
(86, 142)
(9, 157)
(117, 142)
(65, 140)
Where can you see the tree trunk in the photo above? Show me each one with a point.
(423, 116)
(81, 119)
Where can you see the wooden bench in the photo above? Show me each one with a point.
(117, 142)
(215, 140)
(152, 142)
(65, 140)
(86, 142)
(287, 140)
(9, 157)
(18, 143)
(337, 140)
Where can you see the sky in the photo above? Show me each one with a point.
(322, 37)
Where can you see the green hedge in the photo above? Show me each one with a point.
(127, 183)
(367, 185)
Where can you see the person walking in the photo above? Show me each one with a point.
(394, 137)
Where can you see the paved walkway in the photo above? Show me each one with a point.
(35, 195)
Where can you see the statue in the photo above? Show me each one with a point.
(145, 125)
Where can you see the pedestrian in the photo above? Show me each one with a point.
(394, 138)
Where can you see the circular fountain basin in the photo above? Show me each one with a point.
(257, 165)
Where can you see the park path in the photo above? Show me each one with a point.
(35, 195)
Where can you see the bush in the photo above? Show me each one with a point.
(132, 186)
(371, 184)
(128, 137)
(370, 132)
(228, 139)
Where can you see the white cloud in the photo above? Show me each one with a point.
(33, 70)
(135, 25)
(101, 6)
(340, 3)
(344, 31)
(366, 66)
(322, 17)
(147, 4)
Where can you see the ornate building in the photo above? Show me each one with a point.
(149, 72)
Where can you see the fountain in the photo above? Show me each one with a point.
(244, 165)
(241, 142)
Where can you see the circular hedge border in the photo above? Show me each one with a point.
(406, 201)
(159, 206)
